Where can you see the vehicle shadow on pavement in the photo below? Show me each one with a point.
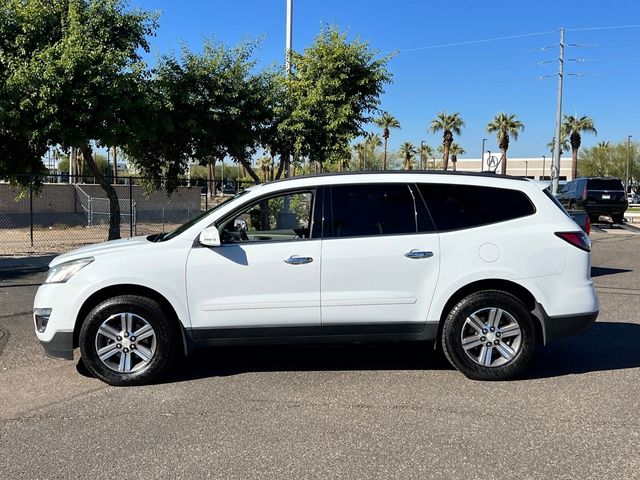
(226, 361)
(605, 346)
(602, 271)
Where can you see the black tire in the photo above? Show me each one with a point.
(160, 348)
(500, 368)
(618, 218)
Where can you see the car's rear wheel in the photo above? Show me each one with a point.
(127, 340)
(617, 218)
(489, 335)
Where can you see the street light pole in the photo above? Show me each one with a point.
(288, 44)
(626, 180)
(526, 168)
(421, 154)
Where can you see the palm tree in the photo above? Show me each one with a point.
(448, 125)
(571, 127)
(454, 151)
(360, 149)
(426, 151)
(265, 163)
(564, 145)
(386, 121)
(506, 126)
(603, 145)
(408, 150)
(371, 142)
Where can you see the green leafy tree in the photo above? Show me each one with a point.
(407, 151)
(506, 126)
(335, 87)
(386, 121)
(610, 160)
(76, 65)
(448, 125)
(572, 127)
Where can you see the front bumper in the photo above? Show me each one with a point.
(60, 346)
(562, 326)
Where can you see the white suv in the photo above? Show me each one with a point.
(486, 266)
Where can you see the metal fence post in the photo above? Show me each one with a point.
(31, 209)
(89, 211)
(130, 207)
(134, 215)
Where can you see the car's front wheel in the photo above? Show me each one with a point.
(489, 335)
(127, 340)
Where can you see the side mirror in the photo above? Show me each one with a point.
(210, 237)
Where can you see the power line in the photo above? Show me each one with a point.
(472, 42)
(613, 27)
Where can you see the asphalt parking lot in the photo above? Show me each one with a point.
(392, 411)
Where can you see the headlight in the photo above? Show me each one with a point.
(64, 271)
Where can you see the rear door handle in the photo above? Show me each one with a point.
(296, 260)
(418, 254)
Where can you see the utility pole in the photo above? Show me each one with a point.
(421, 154)
(288, 46)
(555, 170)
(544, 159)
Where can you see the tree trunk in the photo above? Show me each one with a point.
(114, 156)
(114, 206)
(283, 161)
(212, 179)
(503, 162)
(574, 162)
(252, 174)
(445, 155)
(384, 159)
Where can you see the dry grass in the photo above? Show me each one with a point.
(59, 239)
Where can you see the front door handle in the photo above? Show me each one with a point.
(418, 254)
(296, 260)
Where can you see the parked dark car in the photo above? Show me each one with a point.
(597, 196)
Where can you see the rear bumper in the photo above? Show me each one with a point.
(60, 346)
(562, 326)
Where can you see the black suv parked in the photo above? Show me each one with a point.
(597, 196)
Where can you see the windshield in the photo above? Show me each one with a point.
(185, 226)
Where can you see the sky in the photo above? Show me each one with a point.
(442, 62)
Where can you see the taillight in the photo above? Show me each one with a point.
(577, 239)
(587, 226)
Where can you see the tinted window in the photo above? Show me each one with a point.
(380, 209)
(604, 184)
(463, 206)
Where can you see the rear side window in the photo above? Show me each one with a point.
(453, 207)
(375, 209)
(604, 184)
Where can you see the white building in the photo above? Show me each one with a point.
(534, 167)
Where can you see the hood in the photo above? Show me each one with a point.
(100, 249)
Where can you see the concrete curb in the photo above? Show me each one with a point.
(35, 263)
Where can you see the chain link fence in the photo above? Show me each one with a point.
(55, 213)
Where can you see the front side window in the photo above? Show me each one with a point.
(454, 207)
(277, 218)
(376, 209)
